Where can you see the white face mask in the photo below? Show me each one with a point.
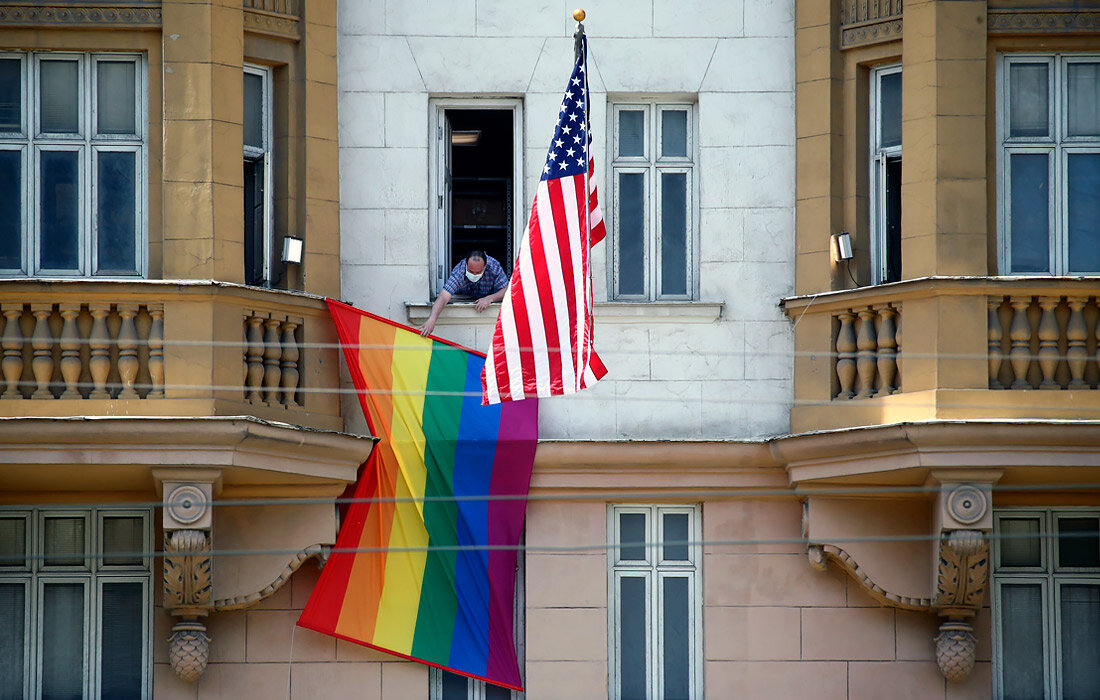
(472, 277)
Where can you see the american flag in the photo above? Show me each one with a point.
(542, 345)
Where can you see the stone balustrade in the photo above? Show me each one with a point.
(867, 342)
(195, 348)
(1043, 341)
(280, 7)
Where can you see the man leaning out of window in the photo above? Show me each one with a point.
(479, 276)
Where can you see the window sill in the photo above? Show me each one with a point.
(464, 313)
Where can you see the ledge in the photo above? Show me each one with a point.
(463, 313)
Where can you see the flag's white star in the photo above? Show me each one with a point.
(580, 103)
(576, 139)
(546, 168)
(580, 162)
(576, 81)
(566, 130)
(564, 106)
(573, 117)
(562, 165)
(558, 143)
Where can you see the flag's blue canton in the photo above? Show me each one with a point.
(566, 156)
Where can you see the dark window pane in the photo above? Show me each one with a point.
(13, 599)
(116, 212)
(1022, 642)
(59, 98)
(59, 210)
(632, 536)
(116, 101)
(1080, 610)
(1028, 95)
(121, 641)
(1083, 172)
(890, 110)
(254, 227)
(677, 637)
(675, 540)
(253, 110)
(495, 692)
(1019, 543)
(632, 133)
(11, 210)
(674, 142)
(631, 243)
(632, 638)
(455, 687)
(13, 542)
(11, 94)
(1083, 94)
(1079, 542)
(64, 542)
(62, 653)
(674, 211)
(893, 219)
(123, 541)
(1029, 213)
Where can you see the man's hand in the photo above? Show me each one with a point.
(483, 303)
(428, 327)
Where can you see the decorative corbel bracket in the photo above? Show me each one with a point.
(188, 565)
(964, 516)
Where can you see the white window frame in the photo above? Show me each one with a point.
(92, 574)
(1050, 577)
(654, 571)
(1057, 145)
(439, 191)
(878, 157)
(651, 165)
(32, 142)
(264, 154)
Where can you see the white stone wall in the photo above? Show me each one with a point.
(728, 376)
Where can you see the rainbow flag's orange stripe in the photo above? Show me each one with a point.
(413, 573)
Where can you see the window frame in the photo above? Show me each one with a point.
(87, 143)
(652, 164)
(653, 569)
(92, 575)
(1057, 144)
(264, 155)
(1050, 577)
(878, 158)
(439, 190)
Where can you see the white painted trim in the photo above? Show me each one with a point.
(877, 159)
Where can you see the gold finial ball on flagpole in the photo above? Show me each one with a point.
(578, 14)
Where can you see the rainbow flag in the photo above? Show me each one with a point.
(424, 565)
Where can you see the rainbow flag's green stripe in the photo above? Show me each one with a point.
(413, 575)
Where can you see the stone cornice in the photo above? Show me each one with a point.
(272, 24)
(112, 15)
(1012, 21)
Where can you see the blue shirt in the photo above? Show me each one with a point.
(492, 280)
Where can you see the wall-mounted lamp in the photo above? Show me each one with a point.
(292, 249)
(842, 246)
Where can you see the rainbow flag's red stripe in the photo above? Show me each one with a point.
(414, 575)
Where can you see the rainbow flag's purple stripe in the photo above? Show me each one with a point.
(412, 573)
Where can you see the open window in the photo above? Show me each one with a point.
(477, 183)
(257, 176)
(885, 159)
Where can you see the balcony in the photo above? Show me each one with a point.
(947, 348)
(166, 348)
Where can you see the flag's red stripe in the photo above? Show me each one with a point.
(541, 266)
(523, 330)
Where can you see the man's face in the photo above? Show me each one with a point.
(475, 266)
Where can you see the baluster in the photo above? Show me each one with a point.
(127, 350)
(12, 342)
(867, 357)
(156, 352)
(1076, 336)
(1020, 334)
(273, 353)
(1048, 342)
(291, 353)
(42, 342)
(70, 351)
(100, 343)
(846, 354)
(996, 357)
(253, 357)
(887, 350)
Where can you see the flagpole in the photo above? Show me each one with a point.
(580, 53)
